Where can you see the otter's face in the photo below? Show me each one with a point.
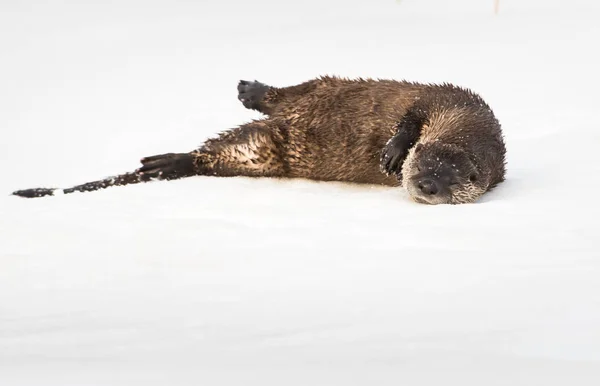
(437, 173)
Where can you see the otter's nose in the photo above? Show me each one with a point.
(428, 187)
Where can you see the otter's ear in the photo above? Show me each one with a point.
(419, 147)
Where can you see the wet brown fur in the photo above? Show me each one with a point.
(335, 129)
(329, 129)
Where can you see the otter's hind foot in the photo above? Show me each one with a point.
(168, 166)
(251, 94)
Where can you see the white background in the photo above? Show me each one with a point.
(237, 281)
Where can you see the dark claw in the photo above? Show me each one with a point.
(154, 158)
(394, 164)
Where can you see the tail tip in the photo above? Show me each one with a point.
(33, 193)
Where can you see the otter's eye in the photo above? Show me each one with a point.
(473, 178)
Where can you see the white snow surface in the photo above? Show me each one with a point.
(239, 281)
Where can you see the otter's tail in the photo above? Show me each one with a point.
(168, 166)
(120, 180)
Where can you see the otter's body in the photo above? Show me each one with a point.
(328, 129)
(360, 131)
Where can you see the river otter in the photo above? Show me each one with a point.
(441, 142)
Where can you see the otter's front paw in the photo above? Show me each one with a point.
(167, 166)
(393, 154)
(251, 94)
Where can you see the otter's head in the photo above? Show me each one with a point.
(438, 173)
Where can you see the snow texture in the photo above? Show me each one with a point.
(240, 281)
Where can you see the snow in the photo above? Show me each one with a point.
(266, 282)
